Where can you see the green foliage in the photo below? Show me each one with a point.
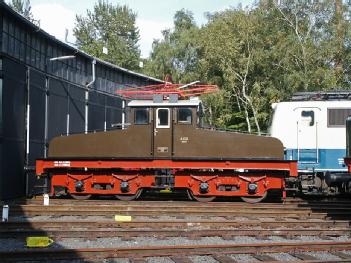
(258, 56)
(177, 53)
(113, 27)
(23, 7)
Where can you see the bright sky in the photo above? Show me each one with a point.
(153, 15)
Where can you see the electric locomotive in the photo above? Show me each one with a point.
(314, 134)
(165, 146)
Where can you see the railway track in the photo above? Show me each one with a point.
(276, 211)
(218, 252)
(89, 234)
(178, 231)
(156, 224)
(176, 202)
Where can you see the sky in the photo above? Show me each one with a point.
(153, 16)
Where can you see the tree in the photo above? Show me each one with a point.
(231, 52)
(340, 35)
(177, 53)
(259, 56)
(308, 26)
(113, 27)
(23, 7)
(160, 62)
(291, 46)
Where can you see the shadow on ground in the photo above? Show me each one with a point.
(19, 226)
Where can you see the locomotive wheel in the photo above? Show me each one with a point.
(203, 199)
(254, 199)
(129, 197)
(81, 196)
(190, 196)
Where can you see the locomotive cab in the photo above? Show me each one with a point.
(166, 119)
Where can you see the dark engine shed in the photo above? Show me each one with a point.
(41, 99)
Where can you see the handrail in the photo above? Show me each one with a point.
(119, 126)
(115, 126)
(233, 130)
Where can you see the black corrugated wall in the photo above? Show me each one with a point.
(52, 107)
(12, 154)
(42, 96)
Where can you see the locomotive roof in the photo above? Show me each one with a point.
(322, 95)
(165, 103)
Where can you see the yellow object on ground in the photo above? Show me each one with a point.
(39, 241)
(120, 218)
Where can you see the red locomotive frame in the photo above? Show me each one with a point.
(188, 174)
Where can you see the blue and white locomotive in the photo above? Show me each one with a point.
(312, 128)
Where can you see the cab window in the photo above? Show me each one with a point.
(184, 116)
(162, 118)
(307, 118)
(141, 116)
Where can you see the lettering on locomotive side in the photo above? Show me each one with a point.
(162, 149)
(184, 139)
(62, 163)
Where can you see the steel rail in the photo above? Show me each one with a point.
(108, 212)
(287, 203)
(139, 205)
(157, 224)
(164, 251)
(183, 208)
(88, 233)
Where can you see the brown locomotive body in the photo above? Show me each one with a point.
(166, 130)
(164, 146)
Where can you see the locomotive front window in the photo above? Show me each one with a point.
(184, 116)
(162, 118)
(308, 117)
(141, 116)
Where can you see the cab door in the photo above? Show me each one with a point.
(162, 132)
(307, 134)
